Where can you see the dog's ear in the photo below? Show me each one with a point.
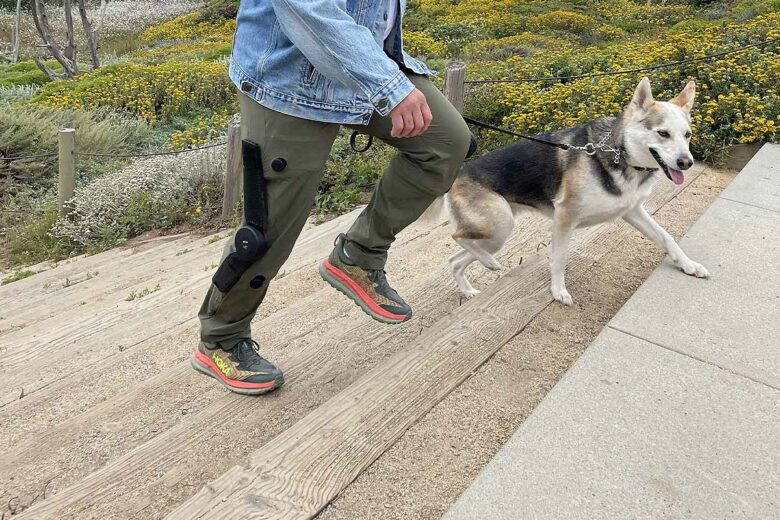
(643, 96)
(685, 98)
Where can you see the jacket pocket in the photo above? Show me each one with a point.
(310, 75)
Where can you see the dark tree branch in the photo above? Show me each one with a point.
(91, 34)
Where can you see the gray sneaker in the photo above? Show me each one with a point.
(241, 368)
(369, 289)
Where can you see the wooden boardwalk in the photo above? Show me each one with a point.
(101, 416)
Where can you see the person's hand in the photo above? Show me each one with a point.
(411, 117)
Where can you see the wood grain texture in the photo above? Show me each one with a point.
(298, 473)
(49, 331)
(174, 454)
(454, 86)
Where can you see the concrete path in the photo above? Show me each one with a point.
(674, 410)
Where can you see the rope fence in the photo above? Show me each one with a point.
(113, 155)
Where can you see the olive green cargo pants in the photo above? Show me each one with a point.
(422, 169)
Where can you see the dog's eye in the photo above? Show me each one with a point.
(687, 135)
(663, 133)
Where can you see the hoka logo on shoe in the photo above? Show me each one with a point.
(221, 364)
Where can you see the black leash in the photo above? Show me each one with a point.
(562, 146)
(589, 148)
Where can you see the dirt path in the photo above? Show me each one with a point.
(434, 462)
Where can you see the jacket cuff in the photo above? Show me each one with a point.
(392, 93)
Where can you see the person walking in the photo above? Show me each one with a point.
(303, 69)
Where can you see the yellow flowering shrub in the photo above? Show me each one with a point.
(418, 43)
(152, 92)
(182, 52)
(737, 101)
(204, 129)
(519, 44)
(567, 21)
(640, 13)
(496, 17)
(190, 26)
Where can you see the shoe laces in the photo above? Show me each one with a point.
(248, 350)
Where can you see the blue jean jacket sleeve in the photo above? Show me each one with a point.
(342, 50)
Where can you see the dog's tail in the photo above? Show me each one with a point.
(435, 212)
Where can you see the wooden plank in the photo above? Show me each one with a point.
(298, 473)
(46, 356)
(181, 452)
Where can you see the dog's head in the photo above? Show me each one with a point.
(660, 131)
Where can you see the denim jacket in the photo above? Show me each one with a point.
(323, 60)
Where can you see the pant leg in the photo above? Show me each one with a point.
(423, 168)
(305, 145)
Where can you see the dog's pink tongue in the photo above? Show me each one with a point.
(677, 176)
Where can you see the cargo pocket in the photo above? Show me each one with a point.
(216, 297)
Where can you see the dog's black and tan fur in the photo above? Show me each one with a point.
(572, 188)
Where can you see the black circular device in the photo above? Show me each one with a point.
(250, 243)
(279, 164)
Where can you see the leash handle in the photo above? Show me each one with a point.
(353, 142)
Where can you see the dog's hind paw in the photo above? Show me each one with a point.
(470, 293)
(692, 268)
(563, 296)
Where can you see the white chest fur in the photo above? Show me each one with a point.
(595, 205)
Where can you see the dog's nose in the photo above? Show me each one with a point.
(684, 163)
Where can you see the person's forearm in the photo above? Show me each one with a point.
(342, 50)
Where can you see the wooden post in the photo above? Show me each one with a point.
(67, 163)
(234, 178)
(454, 85)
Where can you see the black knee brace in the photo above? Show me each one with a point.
(251, 241)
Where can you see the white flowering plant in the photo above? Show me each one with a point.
(151, 193)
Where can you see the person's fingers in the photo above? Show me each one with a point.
(398, 124)
(408, 124)
(427, 117)
(419, 123)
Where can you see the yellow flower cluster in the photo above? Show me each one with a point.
(574, 23)
(519, 44)
(655, 14)
(190, 26)
(204, 130)
(738, 99)
(149, 91)
(494, 16)
(182, 52)
(419, 43)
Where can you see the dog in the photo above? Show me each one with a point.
(574, 188)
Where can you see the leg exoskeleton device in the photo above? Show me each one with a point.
(251, 241)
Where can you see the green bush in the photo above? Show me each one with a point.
(348, 175)
(31, 130)
(24, 73)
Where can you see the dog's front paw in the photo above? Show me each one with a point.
(692, 268)
(562, 295)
